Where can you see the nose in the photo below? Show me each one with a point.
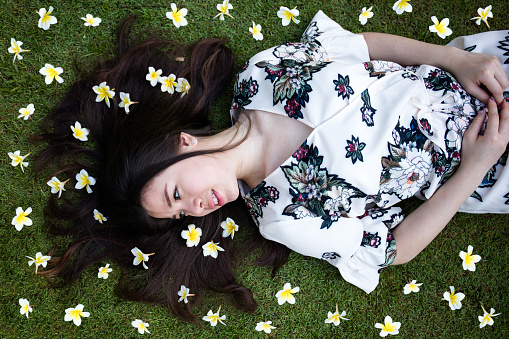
(195, 206)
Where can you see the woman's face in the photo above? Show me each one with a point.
(195, 186)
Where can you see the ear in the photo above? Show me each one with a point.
(187, 142)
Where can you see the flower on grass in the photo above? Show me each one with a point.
(485, 319)
(213, 318)
(192, 235)
(21, 218)
(335, 317)
(178, 17)
(38, 260)
(18, 159)
(211, 248)
(182, 86)
(126, 101)
(104, 271)
(256, 30)
(454, 299)
(26, 308)
(365, 15)
(16, 49)
(153, 76)
(286, 294)
(26, 112)
(388, 327)
(412, 286)
(56, 185)
(91, 21)
(141, 326)
(288, 15)
(46, 19)
(264, 326)
(75, 314)
(224, 9)
(104, 93)
(51, 73)
(440, 27)
(401, 6)
(99, 216)
(484, 14)
(184, 293)
(139, 256)
(168, 83)
(79, 132)
(469, 259)
(229, 227)
(84, 180)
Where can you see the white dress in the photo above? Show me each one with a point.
(381, 133)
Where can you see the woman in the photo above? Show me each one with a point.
(363, 136)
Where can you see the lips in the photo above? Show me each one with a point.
(216, 199)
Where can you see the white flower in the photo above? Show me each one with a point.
(18, 159)
(46, 19)
(84, 180)
(104, 93)
(411, 287)
(51, 73)
(99, 216)
(264, 326)
(484, 14)
(256, 30)
(184, 293)
(26, 308)
(213, 318)
(365, 15)
(192, 235)
(125, 101)
(153, 76)
(75, 314)
(388, 327)
(454, 299)
(485, 319)
(168, 83)
(16, 49)
(285, 295)
(229, 227)
(401, 6)
(469, 259)
(139, 256)
(26, 112)
(211, 249)
(79, 132)
(104, 271)
(288, 15)
(178, 17)
(224, 9)
(141, 326)
(91, 21)
(38, 260)
(335, 317)
(56, 185)
(440, 27)
(182, 86)
(21, 218)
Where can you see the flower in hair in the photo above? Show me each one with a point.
(21, 219)
(126, 101)
(335, 317)
(56, 185)
(256, 30)
(288, 15)
(213, 318)
(38, 260)
(484, 14)
(182, 86)
(104, 271)
(51, 73)
(469, 259)
(485, 319)
(84, 180)
(139, 256)
(168, 83)
(75, 314)
(153, 76)
(440, 27)
(388, 327)
(229, 227)
(104, 93)
(79, 132)
(224, 9)
(454, 299)
(192, 235)
(25, 307)
(178, 17)
(365, 15)
(401, 6)
(91, 21)
(16, 49)
(141, 326)
(286, 294)
(412, 286)
(18, 159)
(264, 326)
(184, 293)
(211, 249)
(46, 19)
(26, 112)
(99, 216)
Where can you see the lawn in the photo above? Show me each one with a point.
(69, 44)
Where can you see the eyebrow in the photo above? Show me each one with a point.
(168, 200)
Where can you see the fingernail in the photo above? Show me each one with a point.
(492, 99)
(507, 99)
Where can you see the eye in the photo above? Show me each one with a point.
(176, 194)
(182, 214)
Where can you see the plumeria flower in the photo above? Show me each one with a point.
(182, 86)
(256, 30)
(99, 216)
(139, 256)
(91, 21)
(26, 112)
(288, 15)
(18, 159)
(365, 15)
(454, 299)
(440, 27)
(335, 317)
(484, 14)
(38, 260)
(16, 49)
(192, 235)
(412, 286)
(104, 271)
(51, 73)
(401, 6)
(21, 218)
(56, 185)
(469, 259)
(211, 248)
(84, 180)
(264, 326)
(286, 294)
(79, 132)
(213, 318)
(168, 83)
(229, 227)
(126, 101)
(153, 76)
(104, 93)
(184, 293)
(75, 314)
(26, 308)
(224, 9)
(485, 319)
(388, 327)
(141, 326)
(178, 17)
(45, 18)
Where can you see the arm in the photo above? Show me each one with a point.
(472, 70)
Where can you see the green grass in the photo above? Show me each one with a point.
(423, 315)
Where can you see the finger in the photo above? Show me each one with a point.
(504, 119)
(478, 92)
(501, 76)
(474, 129)
(494, 87)
(493, 119)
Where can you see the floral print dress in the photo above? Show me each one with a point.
(381, 133)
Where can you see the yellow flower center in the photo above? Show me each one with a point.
(52, 73)
(441, 27)
(90, 20)
(17, 158)
(286, 294)
(484, 14)
(389, 327)
(334, 317)
(366, 14)
(46, 17)
(288, 15)
(403, 4)
(75, 314)
(79, 132)
(104, 270)
(153, 75)
(193, 235)
(21, 218)
(454, 298)
(142, 326)
(469, 260)
(177, 15)
(170, 83)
